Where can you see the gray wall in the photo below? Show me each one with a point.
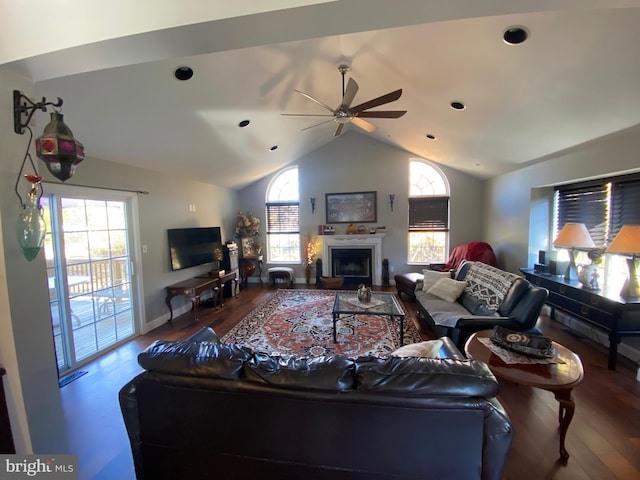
(354, 162)
(26, 344)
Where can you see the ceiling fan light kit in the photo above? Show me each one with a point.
(345, 113)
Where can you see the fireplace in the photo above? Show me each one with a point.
(351, 248)
(354, 264)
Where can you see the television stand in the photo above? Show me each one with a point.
(194, 287)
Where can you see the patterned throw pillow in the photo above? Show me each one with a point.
(488, 284)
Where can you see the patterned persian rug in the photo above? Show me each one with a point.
(300, 322)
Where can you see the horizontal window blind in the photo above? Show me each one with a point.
(429, 214)
(585, 203)
(625, 204)
(603, 205)
(283, 217)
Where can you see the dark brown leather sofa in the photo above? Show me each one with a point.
(207, 410)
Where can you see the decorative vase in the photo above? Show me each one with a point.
(588, 277)
(364, 293)
(248, 268)
(31, 225)
(307, 273)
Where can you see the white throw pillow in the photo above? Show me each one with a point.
(427, 349)
(447, 289)
(431, 277)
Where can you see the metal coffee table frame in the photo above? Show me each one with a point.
(346, 303)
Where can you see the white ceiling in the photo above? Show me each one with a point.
(576, 78)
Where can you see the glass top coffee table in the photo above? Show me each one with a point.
(385, 304)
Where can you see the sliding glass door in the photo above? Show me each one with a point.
(92, 288)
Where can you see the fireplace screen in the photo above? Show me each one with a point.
(352, 263)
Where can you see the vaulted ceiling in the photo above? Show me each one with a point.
(575, 78)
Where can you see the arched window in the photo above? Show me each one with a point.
(283, 218)
(428, 214)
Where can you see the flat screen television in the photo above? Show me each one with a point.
(190, 247)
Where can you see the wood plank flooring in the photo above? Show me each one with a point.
(603, 439)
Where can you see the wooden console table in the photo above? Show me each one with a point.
(193, 287)
(601, 309)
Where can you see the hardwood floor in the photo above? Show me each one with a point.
(603, 439)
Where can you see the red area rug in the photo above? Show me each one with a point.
(300, 322)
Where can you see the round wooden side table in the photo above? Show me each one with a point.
(558, 378)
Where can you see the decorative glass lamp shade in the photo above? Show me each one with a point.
(31, 225)
(58, 149)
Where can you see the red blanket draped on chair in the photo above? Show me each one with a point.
(474, 251)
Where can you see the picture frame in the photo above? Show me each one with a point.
(352, 207)
(249, 246)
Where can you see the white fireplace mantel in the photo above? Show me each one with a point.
(372, 241)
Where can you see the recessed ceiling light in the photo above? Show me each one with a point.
(274, 148)
(430, 136)
(183, 73)
(515, 35)
(458, 105)
(244, 123)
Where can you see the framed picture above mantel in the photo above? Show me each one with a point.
(351, 207)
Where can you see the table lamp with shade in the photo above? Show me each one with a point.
(627, 243)
(573, 236)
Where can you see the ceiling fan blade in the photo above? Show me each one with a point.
(363, 124)
(338, 130)
(349, 93)
(389, 97)
(306, 115)
(314, 100)
(316, 125)
(382, 114)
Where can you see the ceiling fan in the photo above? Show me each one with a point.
(345, 113)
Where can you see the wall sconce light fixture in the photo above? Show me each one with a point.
(313, 205)
(392, 198)
(57, 147)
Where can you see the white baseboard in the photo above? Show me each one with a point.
(157, 322)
